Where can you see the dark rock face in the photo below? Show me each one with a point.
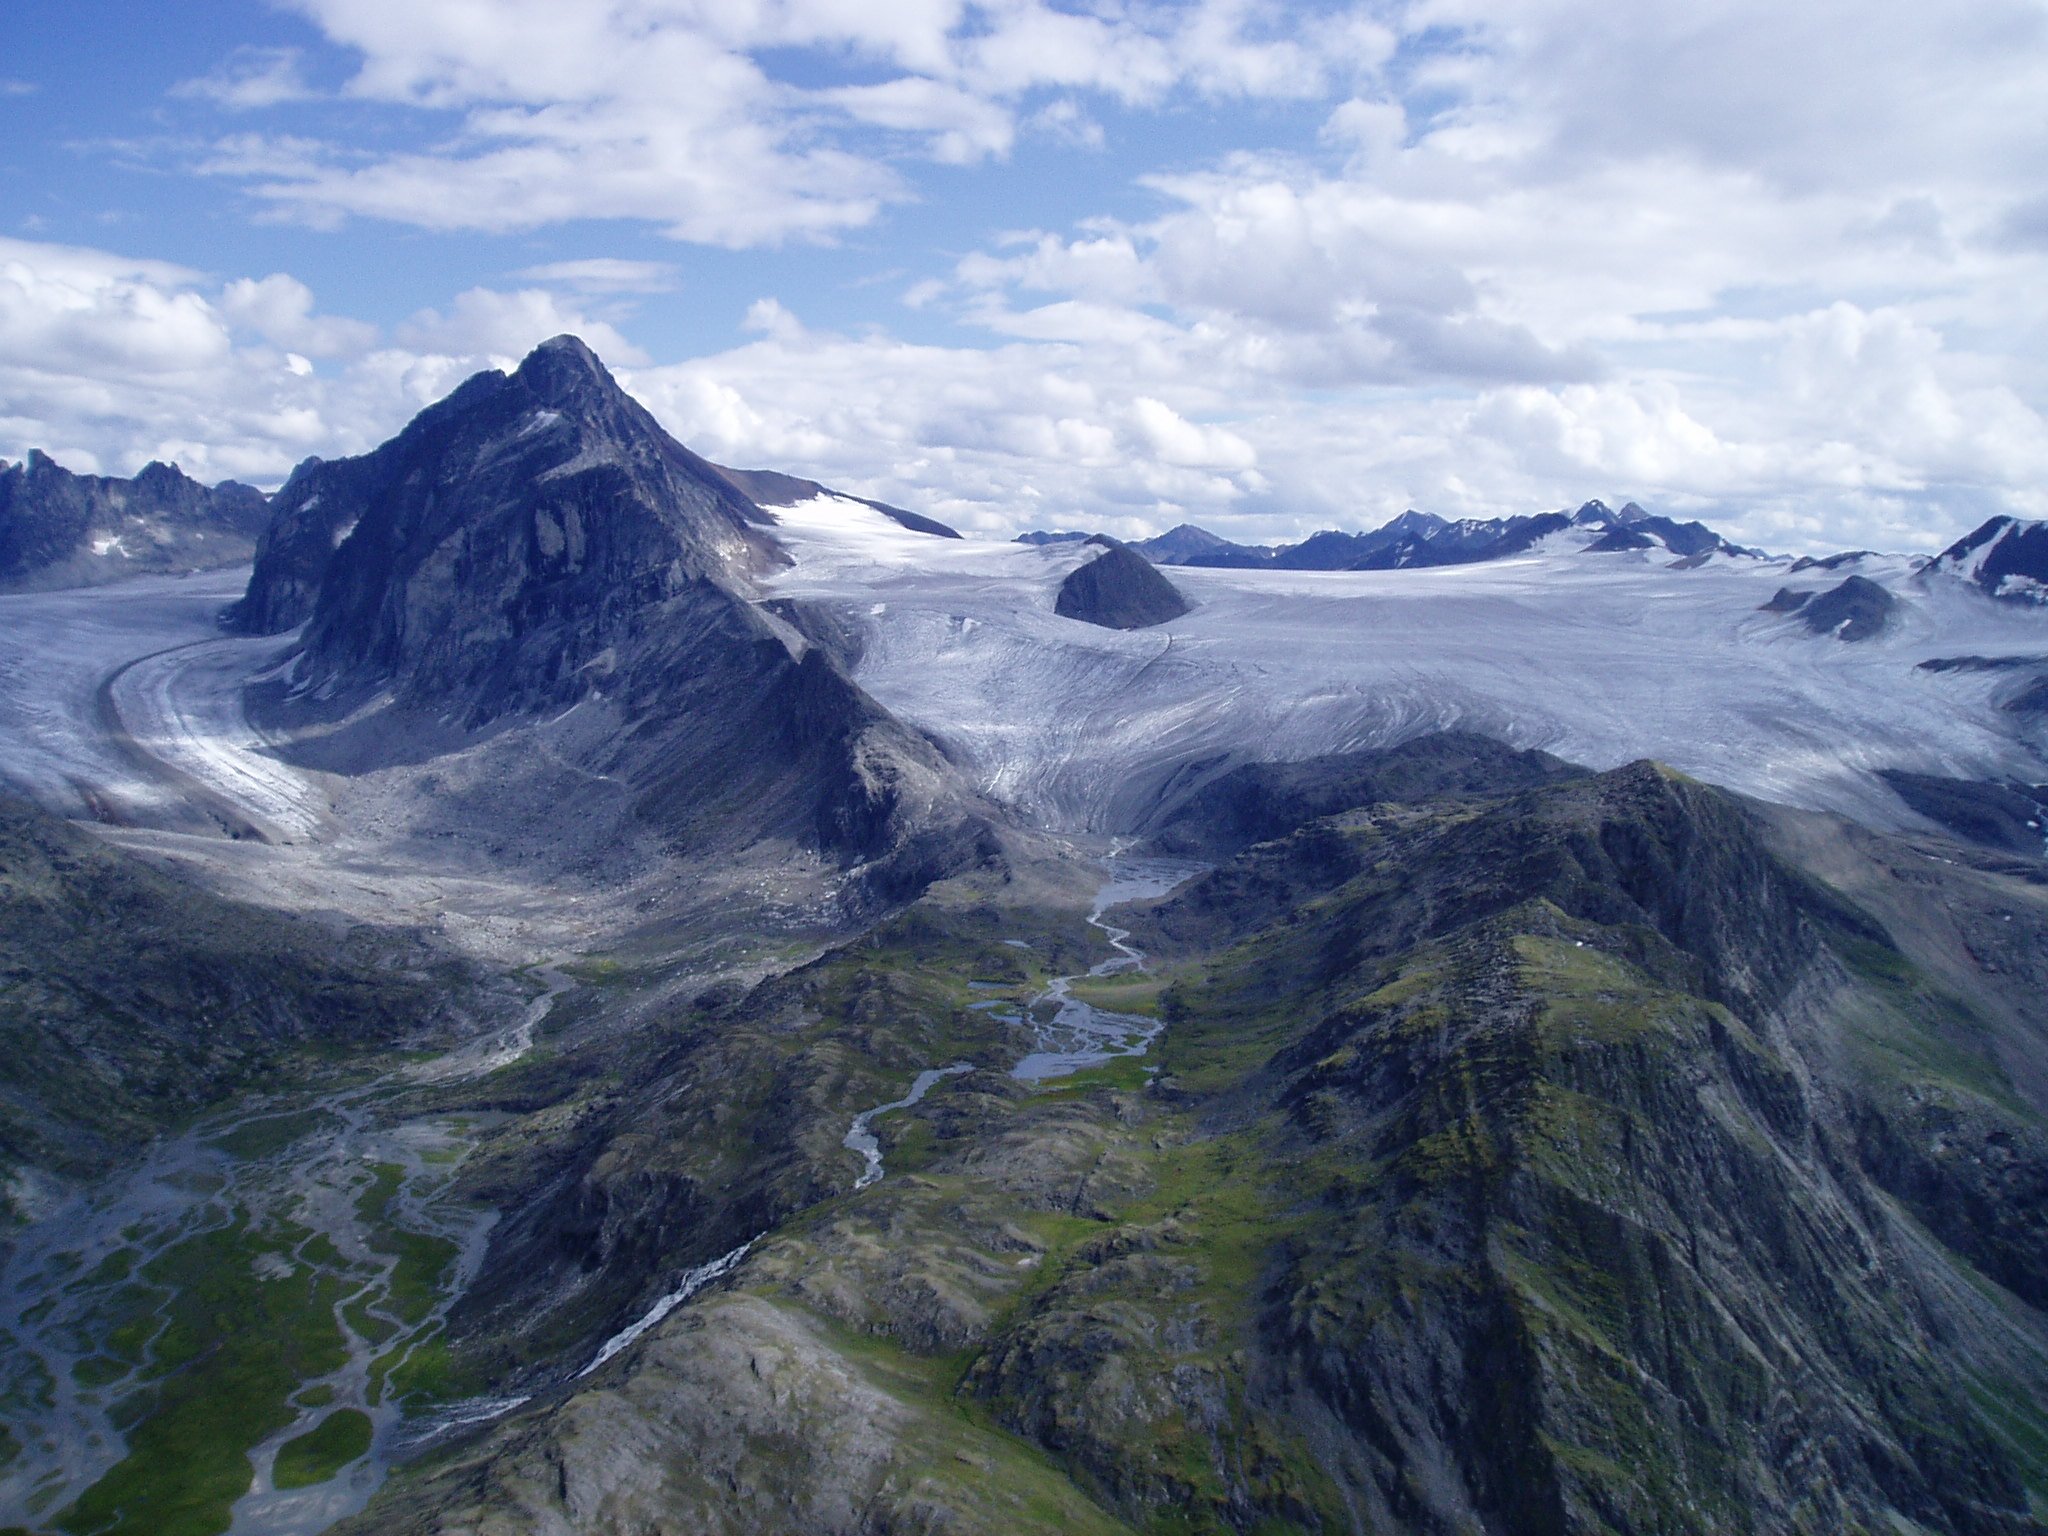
(1982, 663)
(1257, 802)
(556, 449)
(1856, 610)
(768, 488)
(58, 529)
(2005, 558)
(1617, 539)
(1683, 539)
(1417, 539)
(537, 541)
(1189, 545)
(1554, 1162)
(1598, 1166)
(1118, 589)
(2010, 817)
(1042, 537)
(1785, 600)
(2031, 701)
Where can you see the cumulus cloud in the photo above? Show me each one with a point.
(1780, 265)
(580, 112)
(107, 362)
(279, 308)
(504, 327)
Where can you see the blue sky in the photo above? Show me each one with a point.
(1264, 268)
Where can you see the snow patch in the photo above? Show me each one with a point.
(2024, 587)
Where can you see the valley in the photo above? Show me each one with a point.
(600, 1003)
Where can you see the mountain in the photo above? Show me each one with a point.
(1858, 609)
(58, 529)
(1556, 1156)
(493, 439)
(1118, 589)
(1041, 537)
(2003, 557)
(1830, 562)
(1220, 816)
(768, 488)
(535, 543)
(1620, 538)
(1186, 544)
(1419, 539)
(2009, 816)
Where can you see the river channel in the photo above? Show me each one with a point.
(265, 1274)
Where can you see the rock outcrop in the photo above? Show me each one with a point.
(1561, 1160)
(769, 489)
(1858, 609)
(1220, 816)
(1118, 589)
(2003, 557)
(129, 999)
(58, 529)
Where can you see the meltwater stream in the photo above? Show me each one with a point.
(326, 1190)
(1067, 1034)
(1073, 1034)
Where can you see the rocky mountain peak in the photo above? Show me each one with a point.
(554, 462)
(59, 529)
(536, 542)
(157, 473)
(563, 372)
(2003, 556)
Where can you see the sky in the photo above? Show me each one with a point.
(1104, 264)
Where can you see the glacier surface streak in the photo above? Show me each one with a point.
(1601, 659)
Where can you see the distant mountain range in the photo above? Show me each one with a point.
(1417, 539)
(58, 529)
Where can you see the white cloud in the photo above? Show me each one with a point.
(107, 362)
(1787, 266)
(279, 308)
(605, 274)
(959, 126)
(484, 322)
(250, 79)
(664, 111)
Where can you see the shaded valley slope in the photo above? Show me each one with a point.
(1570, 1157)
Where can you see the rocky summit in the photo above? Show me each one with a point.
(2003, 556)
(58, 529)
(1118, 589)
